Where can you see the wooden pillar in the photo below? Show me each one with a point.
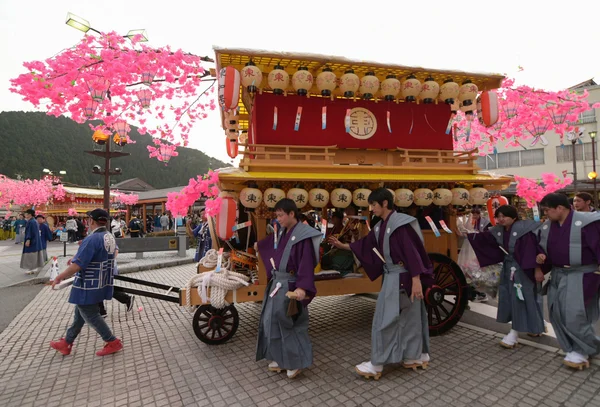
(162, 208)
(144, 217)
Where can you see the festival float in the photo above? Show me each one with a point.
(325, 131)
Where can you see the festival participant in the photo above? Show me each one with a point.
(289, 256)
(45, 234)
(93, 270)
(513, 242)
(33, 256)
(571, 242)
(583, 202)
(400, 331)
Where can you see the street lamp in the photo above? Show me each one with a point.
(49, 173)
(594, 175)
(83, 25)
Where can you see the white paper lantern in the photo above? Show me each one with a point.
(423, 196)
(369, 85)
(403, 197)
(360, 197)
(411, 88)
(349, 83)
(429, 90)
(341, 198)
(302, 81)
(278, 80)
(318, 197)
(251, 197)
(326, 82)
(449, 91)
(390, 88)
(251, 77)
(299, 195)
(467, 96)
(478, 195)
(272, 196)
(442, 197)
(460, 196)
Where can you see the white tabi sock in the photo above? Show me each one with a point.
(368, 367)
(425, 357)
(511, 338)
(575, 357)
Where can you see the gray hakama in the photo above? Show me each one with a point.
(518, 268)
(573, 286)
(32, 261)
(396, 335)
(33, 256)
(281, 338)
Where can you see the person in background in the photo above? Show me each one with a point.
(20, 229)
(80, 234)
(583, 202)
(33, 256)
(115, 227)
(71, 227)
(45, 234)
(95, 261)
(157, 225)
(571, 244)
(202, 235)
(135, 226)
(164, 222)
(479, 224)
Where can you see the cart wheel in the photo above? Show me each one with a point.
(215, 326)
(447, 299)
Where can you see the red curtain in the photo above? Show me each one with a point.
(412, 126)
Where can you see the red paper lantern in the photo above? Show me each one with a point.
(232, 147)
(494, 203)
(487, 108)
(226, 218)
(229, 88)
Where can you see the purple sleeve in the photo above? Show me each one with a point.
(486, 248)
(302, 261)
(591, 240)
(363, 250)
(406, 247)
(526, 249)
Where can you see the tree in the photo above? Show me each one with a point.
(121, 81)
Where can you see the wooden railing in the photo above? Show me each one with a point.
(276, 153)
(435, 157)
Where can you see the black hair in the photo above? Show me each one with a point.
(555, 200)
(31, 212)
(507, 211)
(288, 206)
(585, 196)
(476, 211)
(380, 195)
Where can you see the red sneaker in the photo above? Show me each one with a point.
(110, 347)
(62, 346)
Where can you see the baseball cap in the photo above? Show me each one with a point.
(98, 214)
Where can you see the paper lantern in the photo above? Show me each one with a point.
(225, 219)
(251, 197)
(411, 88)
(349, 83)
(229, 88)
(493, 203)
(466, 95)
(148, 77)
(403, 197)
(369, 85)
(390, 88)
(487, 108)
(341, 197)
(145, 97)
(449, 91)
(318, 197)
(90, 108)
(299, 195)
(557, 114)
(429, 90)
(272, 196)
(423, 196)
(122, 128)
(232, 147)
(278, 80)
(509, 109)
(478, 195)
(326, 82)
(460, 196)
(302, 81)
(442, 197)
(360, 197)
(231, 121)
(98, 89)
(251, 77)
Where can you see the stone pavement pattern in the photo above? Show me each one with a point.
(164, 364)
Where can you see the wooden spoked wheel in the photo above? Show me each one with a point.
(447, 299)
(215, 326)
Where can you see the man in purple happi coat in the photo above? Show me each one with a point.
(394, 248)
(290, 256)
(571, 242)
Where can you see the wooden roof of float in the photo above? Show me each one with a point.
(266, 60)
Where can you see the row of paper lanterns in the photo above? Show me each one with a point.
(251, 197)
(411, 89)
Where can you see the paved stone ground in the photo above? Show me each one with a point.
(164, 364)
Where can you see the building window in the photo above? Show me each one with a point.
(564, 154)
(481, 162)
(508, 160)
(532, 157)
(589, 116)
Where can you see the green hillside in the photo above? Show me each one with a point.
(32, 141)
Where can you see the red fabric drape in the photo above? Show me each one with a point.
(413, 126)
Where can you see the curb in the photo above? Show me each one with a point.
(122, 270)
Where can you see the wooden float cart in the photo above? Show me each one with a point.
(411, 151)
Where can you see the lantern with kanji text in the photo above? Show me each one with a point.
(423, 196)
(251, 197)
(411, 88)
(360, 197)
(299, 195)
(442, 196)
(369, 85)
(390, 88)
(449, 91)
(272, 196)
(302, 81)
(349, 83)
(429, 90)
(251, 77)
(460, 196)
(478, 195)
(341, 197)
(326, 82)
(278, 80)
(403, 197)
(318, 197)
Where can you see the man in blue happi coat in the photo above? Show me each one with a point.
(93, 269)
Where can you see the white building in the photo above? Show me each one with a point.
(531, 162)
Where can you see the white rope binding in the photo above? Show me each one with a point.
(219, 283)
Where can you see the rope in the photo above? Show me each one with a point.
(219, 283)
(210, 259)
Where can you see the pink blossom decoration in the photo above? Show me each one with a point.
(533, 191)
(179, 202)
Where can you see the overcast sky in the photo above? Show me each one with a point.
(557, 45)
